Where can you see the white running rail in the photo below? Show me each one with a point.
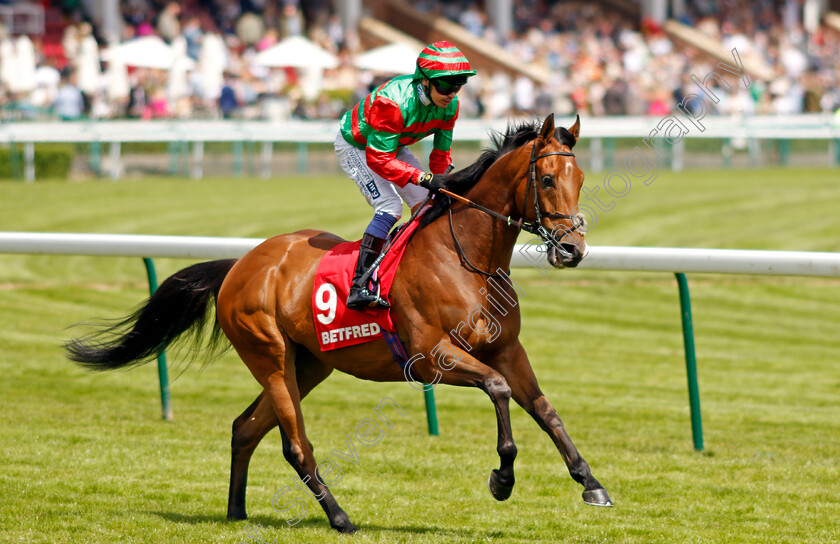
(652, 259)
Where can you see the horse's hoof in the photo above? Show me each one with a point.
(499, 491)
(342, 524)
(597, 497)
(347, 529)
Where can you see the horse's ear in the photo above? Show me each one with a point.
(547, 130)
(575, 129)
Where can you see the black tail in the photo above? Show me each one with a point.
(180, 304)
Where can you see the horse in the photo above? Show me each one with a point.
(528, 179)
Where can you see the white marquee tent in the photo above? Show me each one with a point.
(395, 58)
(145, 52)
(296, 52)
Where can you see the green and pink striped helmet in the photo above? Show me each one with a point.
(442, 60)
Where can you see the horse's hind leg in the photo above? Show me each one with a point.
(270, 355)
(526, 392)
(256, 421)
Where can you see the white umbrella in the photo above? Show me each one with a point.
(145, 52)
(396, 58)
(296, 52)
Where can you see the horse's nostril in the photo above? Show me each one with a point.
(571, 249)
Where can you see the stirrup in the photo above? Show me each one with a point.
(361, 298)
(380, 302)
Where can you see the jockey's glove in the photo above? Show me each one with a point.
(432, 182)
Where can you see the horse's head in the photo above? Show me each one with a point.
(548, 196)
(530, 180)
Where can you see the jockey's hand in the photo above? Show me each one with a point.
(432, 182)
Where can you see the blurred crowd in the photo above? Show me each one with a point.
(605, 63)
(601, 61)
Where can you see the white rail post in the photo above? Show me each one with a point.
(198, 160)
(29, 162)
(265, 160)
(114, 157)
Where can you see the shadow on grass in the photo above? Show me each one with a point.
(191, 519)
(276, 523)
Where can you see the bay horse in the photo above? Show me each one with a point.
(529, 178)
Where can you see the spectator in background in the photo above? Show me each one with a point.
(615, 98)
(660, 103)
(813, 92)
(168, 25)
(335, 32)
(87, 63)
(269, 38)
(473, 19)
(291, 20)
(228, 102)
(249, 29)
(135, 11)
(192, 35)
(137, 97)
(69, 103)
(158, 107)
(524, 96)
(144, 29)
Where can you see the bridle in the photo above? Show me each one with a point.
(534, 227)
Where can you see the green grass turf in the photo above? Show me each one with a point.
(86, 458)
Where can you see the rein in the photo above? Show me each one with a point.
(534, 227)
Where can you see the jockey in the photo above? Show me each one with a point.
(371, 148)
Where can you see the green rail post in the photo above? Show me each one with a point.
(302, 157)
(237, 159)
(609, 153)
(690, 362)
(95, 159)
(784, 151)
(163, 375)
(174, 157)
(431, 411)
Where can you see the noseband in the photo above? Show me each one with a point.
(534, 227)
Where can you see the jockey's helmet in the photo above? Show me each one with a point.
(444, 62)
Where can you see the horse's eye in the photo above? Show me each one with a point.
(547, 181)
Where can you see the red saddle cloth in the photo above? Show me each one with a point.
(336, 325)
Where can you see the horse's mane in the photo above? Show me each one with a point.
(501, 143)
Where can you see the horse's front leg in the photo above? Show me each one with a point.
(469, 371)
(526, 392)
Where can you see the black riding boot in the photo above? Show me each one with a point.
(360, 296)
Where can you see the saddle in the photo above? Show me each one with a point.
(336, 325)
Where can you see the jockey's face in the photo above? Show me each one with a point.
(438, 98)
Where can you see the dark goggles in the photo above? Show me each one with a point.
(447, 86)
